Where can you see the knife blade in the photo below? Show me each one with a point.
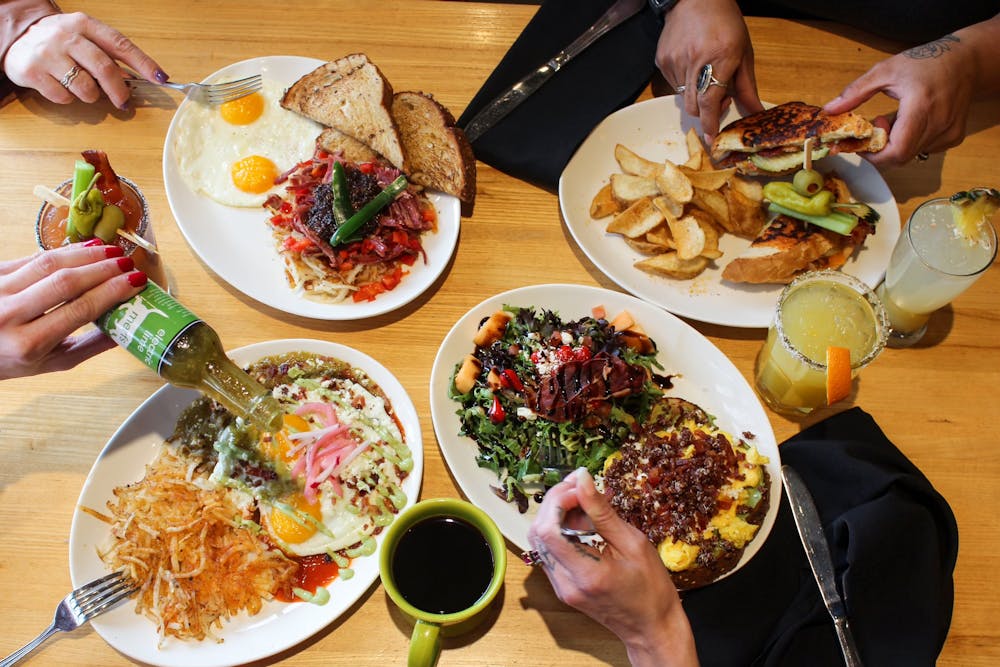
(818, 552)
(503, 104)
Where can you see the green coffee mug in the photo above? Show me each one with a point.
(442, 537)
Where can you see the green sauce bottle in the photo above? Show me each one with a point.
(186, 352)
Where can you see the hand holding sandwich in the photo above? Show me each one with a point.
(935, 84)
(708, 32)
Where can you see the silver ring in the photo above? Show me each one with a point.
(69, 76)
(922, 156)
(706, 80)
(680, 89)
(531, 557)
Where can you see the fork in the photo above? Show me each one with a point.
(553, 460)
(79, 607)
(210, 93)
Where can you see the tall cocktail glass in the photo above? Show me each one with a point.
(930, 266)
(817, 310)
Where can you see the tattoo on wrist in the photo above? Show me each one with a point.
(934, 49)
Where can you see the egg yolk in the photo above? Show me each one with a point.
(298, 528)
(276, 446)
(254, 174)
(244, 110)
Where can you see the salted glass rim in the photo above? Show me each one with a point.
(866, 292)
(128, 246)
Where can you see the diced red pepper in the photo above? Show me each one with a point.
(512, 380)
(366, 167)
(496, 411)
(297, 245)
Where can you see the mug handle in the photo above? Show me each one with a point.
(425, 645)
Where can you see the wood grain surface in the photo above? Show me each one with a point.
(936, 401)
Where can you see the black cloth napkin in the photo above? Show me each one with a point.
(894, 541)
(536, 140)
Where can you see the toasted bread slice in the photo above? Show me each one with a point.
(351, 95)
(438, 153)
(333, 140)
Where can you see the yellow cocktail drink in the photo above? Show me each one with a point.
(816, 311)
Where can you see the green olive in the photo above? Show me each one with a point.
(112, 219)
(807, 182)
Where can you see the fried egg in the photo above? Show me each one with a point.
(361, 495)
(234, 151)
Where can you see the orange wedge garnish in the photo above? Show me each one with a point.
(838, 374)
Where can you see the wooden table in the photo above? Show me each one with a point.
(935, 401)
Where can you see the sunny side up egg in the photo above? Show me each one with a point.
(233, 152)
(361, 496)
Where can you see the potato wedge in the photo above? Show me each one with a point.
(688, 235)
(670, 265)
(709, 179)
(752, 190)
(661, 236)
(636, 220)
(604, 204)
(711, 231)
(628, 188)
(746, 217)
(697, 155)
(631, 163)
(714, 203)
(668, 207)
(673, 183)
(645, 247)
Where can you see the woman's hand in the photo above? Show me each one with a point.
(624, 585)
(48, 51)
(702, 32)
(46, 297)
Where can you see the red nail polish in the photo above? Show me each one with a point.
(113, 251)
(137, 279)
(125, 264)
(93, 242)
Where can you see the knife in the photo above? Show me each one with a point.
(517, 93)
(818, 553)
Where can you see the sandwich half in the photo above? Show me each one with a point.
(787, 246)
(771, 142)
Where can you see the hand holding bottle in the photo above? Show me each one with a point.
(46, 297)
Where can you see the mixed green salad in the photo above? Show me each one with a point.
(541, 396)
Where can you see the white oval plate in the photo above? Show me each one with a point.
(704, 376)
(279, 625)
(236, 243)
(655, 130)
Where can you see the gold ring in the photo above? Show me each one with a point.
(69, 76)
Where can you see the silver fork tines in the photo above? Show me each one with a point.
(209, 93)
(80, 606)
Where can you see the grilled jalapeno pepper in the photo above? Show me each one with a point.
(86, 211)
(345, 232)
(342, 209)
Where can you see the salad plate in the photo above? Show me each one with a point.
(236, 243)
(655, 129)
(279, 625)
(701, 374)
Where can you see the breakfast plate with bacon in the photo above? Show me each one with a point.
(658, 130)
(226, 173)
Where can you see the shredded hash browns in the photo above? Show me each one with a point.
(166, 528)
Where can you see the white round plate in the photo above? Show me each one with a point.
(236, 243)
(703, 375)
(655, 130)
(279, 625)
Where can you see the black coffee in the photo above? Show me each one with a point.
(442, 565)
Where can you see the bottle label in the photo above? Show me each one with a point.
(147, 324)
